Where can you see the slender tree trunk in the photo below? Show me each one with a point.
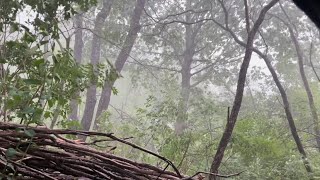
(95, 56)
(239, 92)
(122, 57)
(287, 109)
(77, 53)
(235, 109)
(182, 116)
(191, 32)
(103, 102)
(312, 106)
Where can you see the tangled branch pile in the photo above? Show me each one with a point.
(41, 153)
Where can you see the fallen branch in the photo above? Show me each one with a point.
(40, 153)
(47, 154)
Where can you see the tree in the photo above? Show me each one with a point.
(187, 54)
(34, 82)
(77, 53)
(95, 57)
(240, 87)
(301, 60)
(121, 59)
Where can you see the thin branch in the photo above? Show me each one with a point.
(207, 67)
(264, 42)
(33, 170)
(311, 64)
(214, 174)
(156, 67)
(246, 9)
(174, 15)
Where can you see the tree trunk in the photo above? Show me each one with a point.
(95, 56)
(287, 109)
(122, 57)
(312, 106)
(190, 34)
(182, 116)
(77, 53)
(239, 92)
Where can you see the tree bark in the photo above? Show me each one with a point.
(122, 57)
(239, 92)
(77, 53)
(306, 86)
(95, 57)
(287, 109)
(190, 35)
(182, 116)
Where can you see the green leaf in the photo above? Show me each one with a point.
(29, 38)
(30, 132)
(51, 102)
(3, 61)
(14, 27)
(47, 114)
(38, 62)
(11, 153)
(32, 81)
(114, 90)
(28, 110)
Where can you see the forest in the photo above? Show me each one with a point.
(159, 89)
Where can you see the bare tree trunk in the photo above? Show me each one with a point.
(189, 36)
(287, 109)
(95, 56)
(122, 57)
(77, 53)
(312, 106)
(311, 64)
(182, 116)
(301, 56)
(239, 92)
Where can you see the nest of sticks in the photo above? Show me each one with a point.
(41, 153)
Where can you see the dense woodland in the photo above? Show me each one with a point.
(227, 87)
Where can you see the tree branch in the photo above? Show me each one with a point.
(311, 64)
(246, 9)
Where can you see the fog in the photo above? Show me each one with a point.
(210, 85)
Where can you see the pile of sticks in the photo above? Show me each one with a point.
(41, 153)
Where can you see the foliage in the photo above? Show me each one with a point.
(265, 149)
(47, 13)
(34, 82)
